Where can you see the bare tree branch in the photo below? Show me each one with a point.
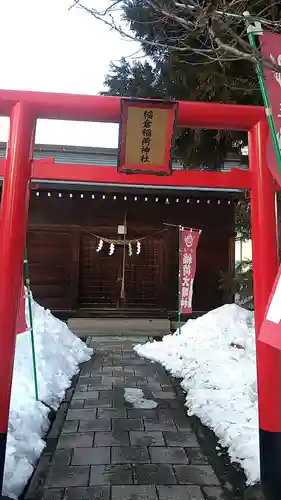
(218, 28)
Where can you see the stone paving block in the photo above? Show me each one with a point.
(134, 493)
(91, 456)
(93, 361)
(53, 494)
(99, 387)
(196, 457)
(175, 404)
(162, 404)
(62, 457)
(179, 493)
(144, 371)
(183, 424)
(202, 475)
(146, 438)
(77, 403)
(161, 377)
(95, 370)
(88, 493)
(90, 380)
(154, 474)
(214, 493)
(167, 386)
(118, 370)
(128, 369)
(129, 454)
(155, 424)
(121, 384)
(110, 380)
(168, 455)
(174, 414)
(112, 413)
(81, 387)
(85, 372)
(81, 394)
(119, 401)
(142, 384)
(131, 379)
(79, 440)
(182, 421)
(134, 424)
(37, 481)
(111, 474)
(62, 477)
(116, 438)
(108, 370)
(142, 413)
(112, 394)
(180, 438)
(70, 426)
(99, 424)
(82, 414)
(98, 403)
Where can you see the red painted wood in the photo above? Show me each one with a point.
(44, 170)
(107, 109)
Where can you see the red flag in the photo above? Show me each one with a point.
(189, 242)
(21, 325)
(270, 46)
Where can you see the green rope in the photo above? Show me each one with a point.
(270, 119)
(27, 284)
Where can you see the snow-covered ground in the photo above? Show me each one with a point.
(215, 357)
(58, 353)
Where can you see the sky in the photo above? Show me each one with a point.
(47, 47)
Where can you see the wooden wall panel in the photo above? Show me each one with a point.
(52, 255)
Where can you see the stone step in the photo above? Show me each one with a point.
(84, 327)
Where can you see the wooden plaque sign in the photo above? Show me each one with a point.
(146, 136)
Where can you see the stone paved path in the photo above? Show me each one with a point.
(109, 450)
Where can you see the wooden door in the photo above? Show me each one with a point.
(144, 275)
(53, 255)
(101, 275)
(99, 272)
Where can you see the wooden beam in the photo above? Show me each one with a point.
(43, 170)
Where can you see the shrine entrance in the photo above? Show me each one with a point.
(103, 276)
(18, 170)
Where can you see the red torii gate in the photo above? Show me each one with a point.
(18, 169)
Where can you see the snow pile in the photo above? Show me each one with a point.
(58, 353)
(136, 398)
(215, 357)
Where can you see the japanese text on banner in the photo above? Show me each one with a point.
(189, 242)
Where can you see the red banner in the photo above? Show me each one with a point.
(270, 46)
(189, 242)
(21, 325)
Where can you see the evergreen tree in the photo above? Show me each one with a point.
(170, 73)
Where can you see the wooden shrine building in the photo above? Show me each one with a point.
(67, 222)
